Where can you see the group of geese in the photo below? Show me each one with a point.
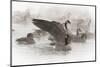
(29, 37)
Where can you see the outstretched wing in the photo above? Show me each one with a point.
(53, 27)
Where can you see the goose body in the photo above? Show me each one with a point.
(26, 40)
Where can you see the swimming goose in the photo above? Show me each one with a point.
(26, 40)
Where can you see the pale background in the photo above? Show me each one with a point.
(41, 52)
(5, 33)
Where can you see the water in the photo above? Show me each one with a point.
(42, 52)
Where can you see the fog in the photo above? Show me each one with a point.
(41, 51)
(56, 12)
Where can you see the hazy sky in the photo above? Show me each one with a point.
(53, 9)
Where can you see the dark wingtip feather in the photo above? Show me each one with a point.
(40, 20)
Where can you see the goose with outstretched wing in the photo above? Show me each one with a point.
(55, 29)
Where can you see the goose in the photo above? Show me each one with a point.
(26, 40)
